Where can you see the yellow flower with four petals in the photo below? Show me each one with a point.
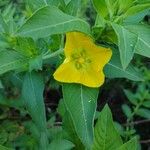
(84, 61)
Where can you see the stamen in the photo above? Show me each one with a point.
(81, 60)
(78, 65)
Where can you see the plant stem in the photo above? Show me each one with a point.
(129, 120)
(56, 53)
(62, 41)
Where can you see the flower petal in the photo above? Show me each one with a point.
(75, 41)
(92, 78)
(99, 60)
(67, 72)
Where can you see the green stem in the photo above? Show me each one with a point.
(56, 53)
(62, 41)
(132, 115)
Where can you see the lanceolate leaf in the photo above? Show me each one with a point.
(114, 70)
(126, 43)
(80, 102)
(3, 25)
(5, 148)
(143, 112)
(50, 20)
(101, 8)
(35, 4)
(10, 60)
(68, 126)
(130, 145)
(32, 93)
(106, 136)
(60, 145)
(105, 8)
(136, 13)
(73, 7)
(143, 40)
(124, 5)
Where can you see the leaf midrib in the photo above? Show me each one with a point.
(124, 41)
(81, 96)
(143, 41)
(72, 118)
(49, 26)
(13, 62)
(82, 103)
(122, 70)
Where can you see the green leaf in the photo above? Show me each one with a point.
(69, 128)
(105, 8)
(32, 93)
(143, 40)
(130, 145)
(127, 110)
(60, 145)
(114, 70)
(36, 4)
(146, 103)
(67, 2)
(3, 43)
(61, 108)
(31, 127)
(99, 22)
(9, 12)
(25, 46)
(124, 5)
(35, 63)
(131, 97)
(1, 85)
(3, 135)
(57, 3)
(126, 43)
(5, 148)
(143, 113)
(119, 128)
(73, 7)
(11, 60)
(106, 136)
(143, 1)
(3, 25)
(136, 13)
(101, 7)
(50, 20)
(80, 103)
(15, 103)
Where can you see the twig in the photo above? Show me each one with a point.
(145, 141)
(54, 54)
(58, 123)
(50, 104)
(137, 122)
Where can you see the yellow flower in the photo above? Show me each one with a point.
(84, 61)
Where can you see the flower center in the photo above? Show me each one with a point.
(80, 59)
